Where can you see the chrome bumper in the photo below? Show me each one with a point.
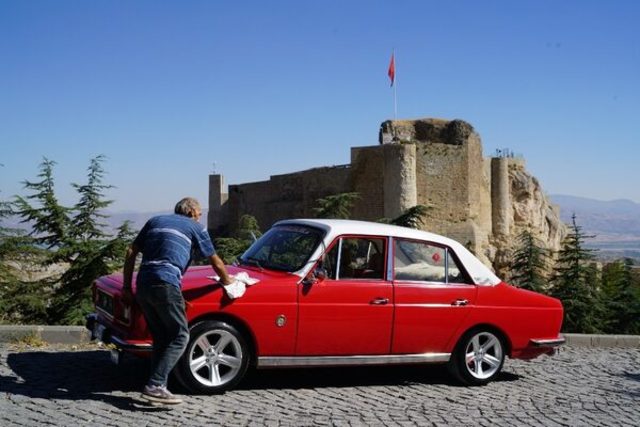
(552, 345)
(101, 333)
(549, 343)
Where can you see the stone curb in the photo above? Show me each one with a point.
(80, 335)
(49, 334)
(586, 340)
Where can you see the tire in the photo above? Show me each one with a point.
(478, 357)
(216, 358)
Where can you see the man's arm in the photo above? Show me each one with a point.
(129, 264)
(218, 267)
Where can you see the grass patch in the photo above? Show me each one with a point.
(29, 339)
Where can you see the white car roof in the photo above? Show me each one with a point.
(479, 272)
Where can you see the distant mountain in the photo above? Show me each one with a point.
(137, 219)
(615, 223)
(113, 220)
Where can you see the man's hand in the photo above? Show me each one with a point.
(218, 267)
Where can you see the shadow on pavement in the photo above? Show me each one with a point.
(90, 375)
(75, 375)
(629, 375)
(311, 378)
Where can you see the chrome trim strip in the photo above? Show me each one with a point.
(431, 305)
(390, 252)
(339, 260)
(393, 359)
(549, 343)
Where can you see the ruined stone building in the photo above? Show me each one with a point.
(482, 202)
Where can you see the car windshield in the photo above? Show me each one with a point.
(284, 248)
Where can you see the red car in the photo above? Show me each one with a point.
(339, 292)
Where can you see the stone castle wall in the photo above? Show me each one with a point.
(283, 196)
(481, 202)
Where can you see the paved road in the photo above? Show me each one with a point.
(70, 386)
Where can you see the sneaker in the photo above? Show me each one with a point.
(159, 394)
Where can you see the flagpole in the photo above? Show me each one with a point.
(395, 94)
(392, 75)
(395, 90)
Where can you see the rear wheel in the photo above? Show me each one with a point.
(478, 357)
(216, 358)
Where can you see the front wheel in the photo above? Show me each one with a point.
(478, 357)
(216, 358)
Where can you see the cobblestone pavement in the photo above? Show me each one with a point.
(78, 386)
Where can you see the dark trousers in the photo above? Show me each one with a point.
(163, 308)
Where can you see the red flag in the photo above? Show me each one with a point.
(392, 69)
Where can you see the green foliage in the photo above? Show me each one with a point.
(337, 206)
(49, 220)
(411, 218)
(95, 258)
(530, 263)
(88, 209)
(73, 236)
(575, 283)
(20, 302)
(620, 298)
(23, 302)
(230, 248)
(248, 228)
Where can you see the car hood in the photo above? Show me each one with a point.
(196, 277)
(199, 276)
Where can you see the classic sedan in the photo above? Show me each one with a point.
(341, 292)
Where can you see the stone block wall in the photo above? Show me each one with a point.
(282, 196)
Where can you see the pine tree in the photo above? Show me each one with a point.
(21, 301)
(575, 283)
(530, 263)
(410, 218)
(88, 210)
(72, 300)
(73, 236)
(248, 228)
(620, 298)
(337, 206)
(90, 251)
(230, 248)
(49, 220)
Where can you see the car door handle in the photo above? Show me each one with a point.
(460, 302)
(379, 301)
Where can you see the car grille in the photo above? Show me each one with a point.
(104, 302)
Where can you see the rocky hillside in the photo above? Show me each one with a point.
(531, 210)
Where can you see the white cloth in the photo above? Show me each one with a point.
(239, 285)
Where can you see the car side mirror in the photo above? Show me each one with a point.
(320, 273)
(316, 275)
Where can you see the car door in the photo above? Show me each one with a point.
(350, 311)
(433, 296)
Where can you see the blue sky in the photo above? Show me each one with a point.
(167, 89)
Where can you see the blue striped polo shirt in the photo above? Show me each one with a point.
(168, 244)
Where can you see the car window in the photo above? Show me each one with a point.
(356, 258)
(425, 262)
(285, 248)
